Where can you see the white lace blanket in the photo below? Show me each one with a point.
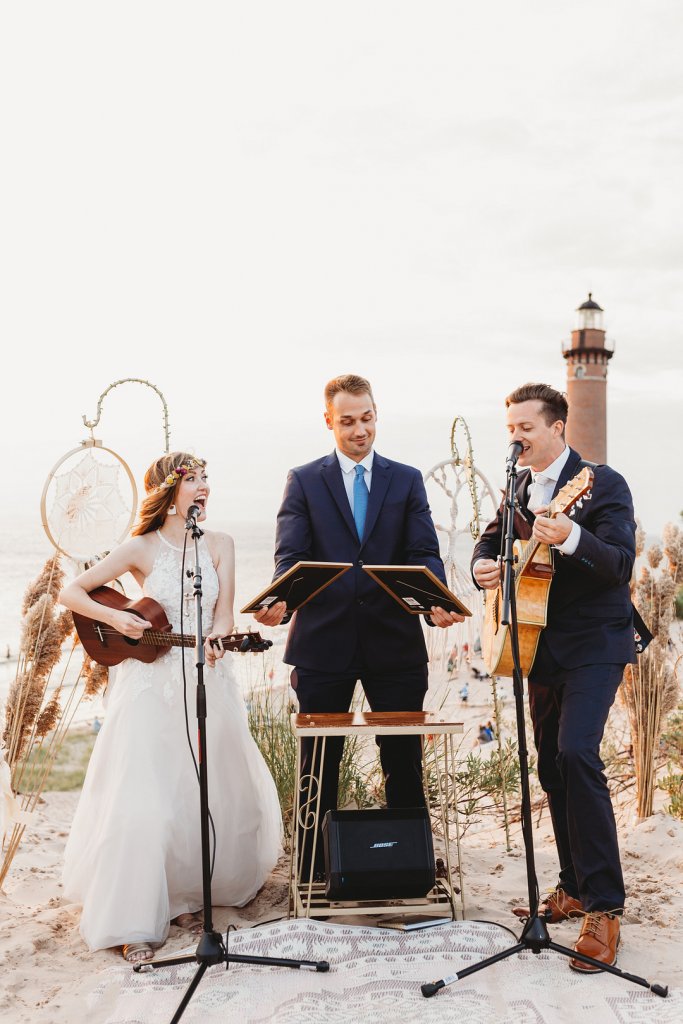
(375, 976)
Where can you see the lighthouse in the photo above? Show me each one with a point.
(587, 357)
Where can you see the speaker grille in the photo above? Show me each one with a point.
(378, 854)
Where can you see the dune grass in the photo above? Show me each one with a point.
(70, 764)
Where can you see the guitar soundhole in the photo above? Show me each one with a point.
(129, 640)
(496, 611)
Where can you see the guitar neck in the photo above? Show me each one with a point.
(159, 639)
(533, 546)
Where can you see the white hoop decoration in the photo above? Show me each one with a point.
(92, 500)
(461, 494)
(452, 480)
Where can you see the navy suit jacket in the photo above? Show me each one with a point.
(590, 614)
(354, 622)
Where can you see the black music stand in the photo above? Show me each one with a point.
(534, 937)
(211, 949)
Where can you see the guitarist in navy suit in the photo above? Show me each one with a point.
(582, 652)
(356, 506)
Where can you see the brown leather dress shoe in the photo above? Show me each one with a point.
(599, 938)
(558, 906)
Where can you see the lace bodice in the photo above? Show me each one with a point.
(164, 583)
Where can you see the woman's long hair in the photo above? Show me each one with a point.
(154, 507)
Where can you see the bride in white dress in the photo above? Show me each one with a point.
(133, 858)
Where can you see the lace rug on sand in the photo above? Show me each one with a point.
(375, 975)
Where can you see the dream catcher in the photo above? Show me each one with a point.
(458, 654)
(89, 499)
(458, 478)
(463, 503)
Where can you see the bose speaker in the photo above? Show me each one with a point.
(378, 854)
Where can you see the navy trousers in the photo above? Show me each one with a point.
(400, 756)
(569, 709)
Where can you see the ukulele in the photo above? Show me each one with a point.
(533, 574)
(107, 646)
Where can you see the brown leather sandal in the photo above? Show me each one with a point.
(137, 952)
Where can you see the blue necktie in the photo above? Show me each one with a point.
(360, 500)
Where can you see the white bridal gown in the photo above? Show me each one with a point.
(133, 858)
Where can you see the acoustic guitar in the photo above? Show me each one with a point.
(533, 574)
(107, 646)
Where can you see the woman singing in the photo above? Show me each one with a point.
(133, 858)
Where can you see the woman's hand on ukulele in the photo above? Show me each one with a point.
(129, 624)
(213, 652)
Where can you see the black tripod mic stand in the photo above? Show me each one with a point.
(534, 937)
(211, 949)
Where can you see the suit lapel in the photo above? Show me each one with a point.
(332, 475)
(568, 470)
(381, 477)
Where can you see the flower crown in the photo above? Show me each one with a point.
(178, 472)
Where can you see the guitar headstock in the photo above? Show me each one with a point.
(572, 491)
(253, 643)
(244, 643)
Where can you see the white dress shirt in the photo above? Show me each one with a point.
(541, 492)
(348, 468)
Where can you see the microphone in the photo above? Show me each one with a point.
(514, 451)
(191, 518)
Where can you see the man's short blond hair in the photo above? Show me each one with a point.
(350, 383)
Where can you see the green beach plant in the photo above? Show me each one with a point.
(269, 712)
(672, 749)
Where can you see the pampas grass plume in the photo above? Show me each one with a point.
(49, 716)
(48, 582)
(95, 676)
(650, 689)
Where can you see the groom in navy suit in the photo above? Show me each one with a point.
(356, 506)
(588, 640)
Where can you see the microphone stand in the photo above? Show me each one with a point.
(535, 936)
(211, 949)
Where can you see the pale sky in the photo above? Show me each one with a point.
(238, 201)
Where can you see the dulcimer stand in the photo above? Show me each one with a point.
(535, 937)
(211, 949)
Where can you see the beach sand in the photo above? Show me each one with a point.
(47, 972)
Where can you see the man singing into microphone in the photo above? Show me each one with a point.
(356, 506)
(580, 660)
